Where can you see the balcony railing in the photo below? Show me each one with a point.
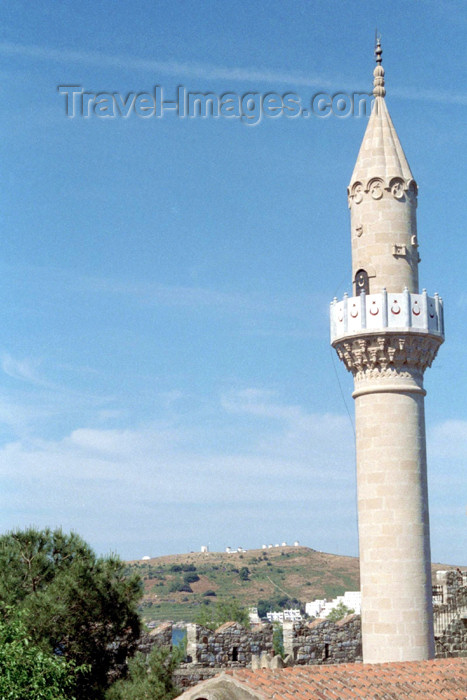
(387, 311)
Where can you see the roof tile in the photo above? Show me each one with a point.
(443, 679)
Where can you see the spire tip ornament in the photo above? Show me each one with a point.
(378, 74)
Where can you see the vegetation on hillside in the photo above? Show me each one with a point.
(69, 619)
(271, 579)
(225, 611)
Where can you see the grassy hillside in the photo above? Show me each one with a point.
(296, 572)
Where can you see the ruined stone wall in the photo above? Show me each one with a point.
(453, 641)
(160, 636)
(451, 582)
(316, 642)
(323, 641)
(229, 645)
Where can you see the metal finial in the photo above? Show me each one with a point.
(378, 49)
(378, 74)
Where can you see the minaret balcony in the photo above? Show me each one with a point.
(387, 312)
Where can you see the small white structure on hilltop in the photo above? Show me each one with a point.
(204, 549)
(321, 608)
(145, 558)
(228, 550)
(264, 546)
(291, 615)
(296, 543)
(284, 544)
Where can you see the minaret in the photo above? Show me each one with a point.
(387, 334)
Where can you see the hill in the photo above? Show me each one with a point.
(176, 586)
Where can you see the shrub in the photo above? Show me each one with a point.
(188, 567)
(339, 612)
(180, 587)
(244, 573)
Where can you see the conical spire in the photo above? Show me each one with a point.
(381, 155)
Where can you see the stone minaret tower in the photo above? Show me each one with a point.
(387, 334)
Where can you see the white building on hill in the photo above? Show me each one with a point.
(292, 615)
(321, 608)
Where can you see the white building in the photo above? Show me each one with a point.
(314, 608)
(321, 608)
(291, 615)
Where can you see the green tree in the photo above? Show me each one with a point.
(340, 611)
(149, 677)
(278, 639)
(73, 603)
(214, 616)
(244, 573)
(26, 671)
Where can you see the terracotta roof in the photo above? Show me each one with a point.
(440, 679)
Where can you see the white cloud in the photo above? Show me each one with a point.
(248, 462)
(25, 370)
(174, 68)
(115, 475)
(181, 69)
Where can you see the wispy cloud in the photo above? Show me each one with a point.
(273, 467)
(441, 96)
(171, 68)
(130, 470)
(24, 370)
(147, 293)
(205, 71)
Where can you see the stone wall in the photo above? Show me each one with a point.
(229, 646)
(450, 582)
(453, 641)
(189, 675)
(316, 642)
(160, 636)
(323, 641)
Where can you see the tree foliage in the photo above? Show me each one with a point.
(244, 573)
(73, 603)
(278, 602)
(149, 677)
(278, 639)
(26, 671)
(340, 611)
(214, 616)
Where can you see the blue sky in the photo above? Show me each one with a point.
(166, 376)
